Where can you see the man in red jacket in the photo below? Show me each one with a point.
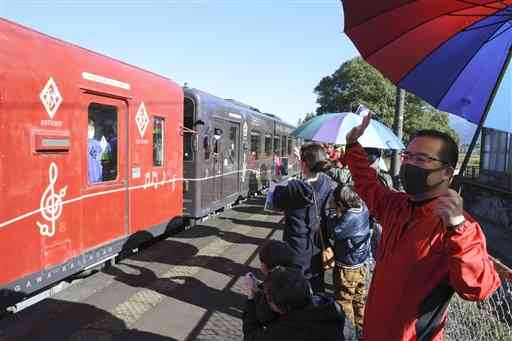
(430, 247)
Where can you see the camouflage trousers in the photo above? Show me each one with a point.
(350, 292)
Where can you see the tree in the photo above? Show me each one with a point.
(357, 82)
(306, 118)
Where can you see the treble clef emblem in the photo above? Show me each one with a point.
(51, 203)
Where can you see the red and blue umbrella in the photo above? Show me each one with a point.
(451, 53)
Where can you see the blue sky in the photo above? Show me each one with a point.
(267, 53)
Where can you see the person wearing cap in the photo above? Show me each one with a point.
(302, 316)
(303, 201)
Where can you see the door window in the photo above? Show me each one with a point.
(283, 146)
(268, 145)
(188, 138)
(277, 146)
(102, 151)
(232, 145)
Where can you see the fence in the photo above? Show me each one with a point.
(483, 321)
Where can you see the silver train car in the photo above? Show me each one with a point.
(230, 151)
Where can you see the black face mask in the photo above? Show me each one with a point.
(414, 179)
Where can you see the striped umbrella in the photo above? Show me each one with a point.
(334, 127)
(451, 53)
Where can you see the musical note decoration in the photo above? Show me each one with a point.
(51, 203)
(147, 180)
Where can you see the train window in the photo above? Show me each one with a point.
(188, 138)
(268, 145)
(290, 145)
(101, 143)
(277, 146)
(283, 146)
(158, 141)
(255, 145)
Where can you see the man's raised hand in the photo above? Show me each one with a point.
(358, 131)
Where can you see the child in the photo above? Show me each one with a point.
(273, 253)
(301, 317)
(349, 227)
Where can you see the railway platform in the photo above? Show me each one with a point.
(189, 286)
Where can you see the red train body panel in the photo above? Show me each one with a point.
(90, 155)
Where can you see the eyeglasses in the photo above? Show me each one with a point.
(421, 158)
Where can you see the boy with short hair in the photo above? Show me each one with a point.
(272, 254)
(301, 316)
(348, 225)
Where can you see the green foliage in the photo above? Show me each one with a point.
(306, 118)
(357, 82)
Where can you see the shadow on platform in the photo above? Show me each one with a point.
(62, 320)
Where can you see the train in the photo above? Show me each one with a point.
(232, 150)
(96, 155)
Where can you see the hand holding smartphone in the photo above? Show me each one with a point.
(251, 284)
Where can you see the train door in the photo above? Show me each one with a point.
(191, 161)
(104, 170)
(218, 160)
(231, 162)
(284, 156)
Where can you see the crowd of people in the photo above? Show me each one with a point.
(343, 212)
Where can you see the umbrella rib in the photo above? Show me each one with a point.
(499, 34)
(478, 15)
(484, 26)
(382, 13)
(408, 3)
(434, 50)
(463, 68)
(419, 25)
(484, 5)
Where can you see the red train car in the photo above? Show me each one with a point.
(90, 156)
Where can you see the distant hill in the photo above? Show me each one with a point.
(464, 128)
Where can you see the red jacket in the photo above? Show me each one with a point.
(419, 264)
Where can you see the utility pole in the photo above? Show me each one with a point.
(398, 127)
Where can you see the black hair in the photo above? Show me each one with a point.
(315, 157)
(450, 151)
(373, 154)
(288, 289)
(275, 252)
(346, 196)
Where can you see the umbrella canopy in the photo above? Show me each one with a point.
(449, 52)
(333, 128)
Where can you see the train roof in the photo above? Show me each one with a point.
(234, 104)
(243, 104)
(230, 104)
(64, 42)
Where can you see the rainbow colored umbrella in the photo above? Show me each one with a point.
(452, 53)
(333, 128)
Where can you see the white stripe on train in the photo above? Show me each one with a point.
(144, 186)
